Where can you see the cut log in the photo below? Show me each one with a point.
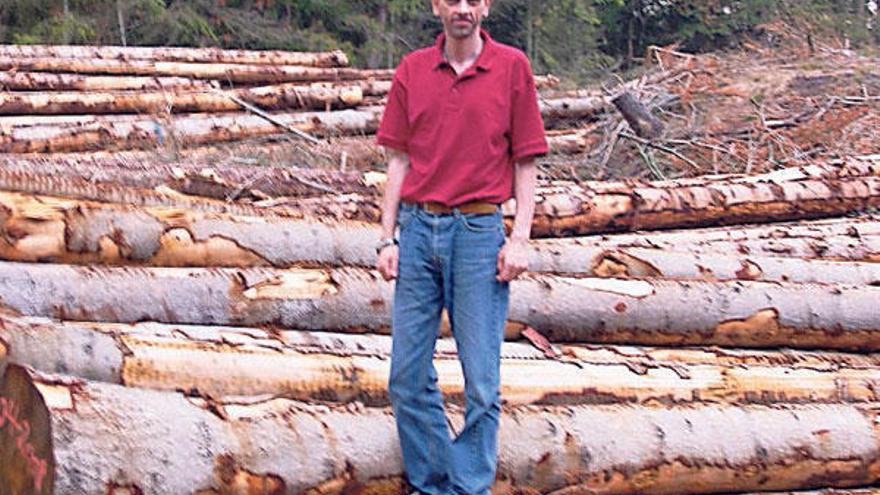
(184, 130)
(546, 81)
(596, 208)
(223, 178)
(226, 72)
(224, 361)
(566, 210)
(828, 491)
(318, 96)
(335, 58)
(570, 142)
(680, 265)
(61, 230)
(840, 248)
(41, 81)
(281, 446)
(565, 309)
(53, 229)
(637, 116)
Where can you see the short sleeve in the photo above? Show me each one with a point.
(394, 128)
(527, 127)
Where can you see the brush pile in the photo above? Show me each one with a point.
(185, 316)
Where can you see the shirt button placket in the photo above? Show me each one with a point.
(454, 99)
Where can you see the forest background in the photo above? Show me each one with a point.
(579, 40)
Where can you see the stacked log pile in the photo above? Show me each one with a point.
(178, 323)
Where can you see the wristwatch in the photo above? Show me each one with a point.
(384, 243)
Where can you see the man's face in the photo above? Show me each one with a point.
(461, 17)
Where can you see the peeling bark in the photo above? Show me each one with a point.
(611, 449)
(146, 133)
(653, 312)
(68, 231)
(224, 361)
(41, 81)
(53, 229)
(596, 208)
(680, 265)
(335, 58)
(227, 72)
(317, 96)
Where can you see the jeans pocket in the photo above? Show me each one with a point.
(482, 223)
(405, 216)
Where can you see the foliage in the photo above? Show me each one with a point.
(575, 38)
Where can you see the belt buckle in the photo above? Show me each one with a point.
(435, 208)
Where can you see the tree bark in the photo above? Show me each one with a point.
(841, 248)
(224, 361)
(69, 231)
(681, 265)
(827, 491)
(567, 209)
(148, 133)
(639, 118)
(317, 96)
(44, 228)
(40, 81)
(336, 58)
(275, 445)
(565, 309)
(597, 208)
(226, 72)
(212, 177)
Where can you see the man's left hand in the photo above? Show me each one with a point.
(513, 259)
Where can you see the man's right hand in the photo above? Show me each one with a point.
(387, 262)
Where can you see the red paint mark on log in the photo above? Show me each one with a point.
(620, 307)
(21, 431)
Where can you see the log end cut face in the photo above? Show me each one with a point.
(27, 464)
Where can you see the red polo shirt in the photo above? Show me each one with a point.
(463, 132)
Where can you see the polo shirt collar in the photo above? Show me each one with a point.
(483, 62)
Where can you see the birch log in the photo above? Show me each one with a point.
(274, 445)
(41, 81)
(224, 361)
(335, 58)
(317, 96)
(227, 72)
(146, 133)
(566, 309)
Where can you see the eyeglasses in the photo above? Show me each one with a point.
(472, 3)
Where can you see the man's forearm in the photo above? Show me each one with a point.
(525, 179)
(398, 165)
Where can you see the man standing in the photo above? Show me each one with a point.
(462, 128)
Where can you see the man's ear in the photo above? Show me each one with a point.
(434, 7)
(486, 7)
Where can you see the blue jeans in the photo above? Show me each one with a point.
(448, 261)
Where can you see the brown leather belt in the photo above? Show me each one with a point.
(471, 207)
